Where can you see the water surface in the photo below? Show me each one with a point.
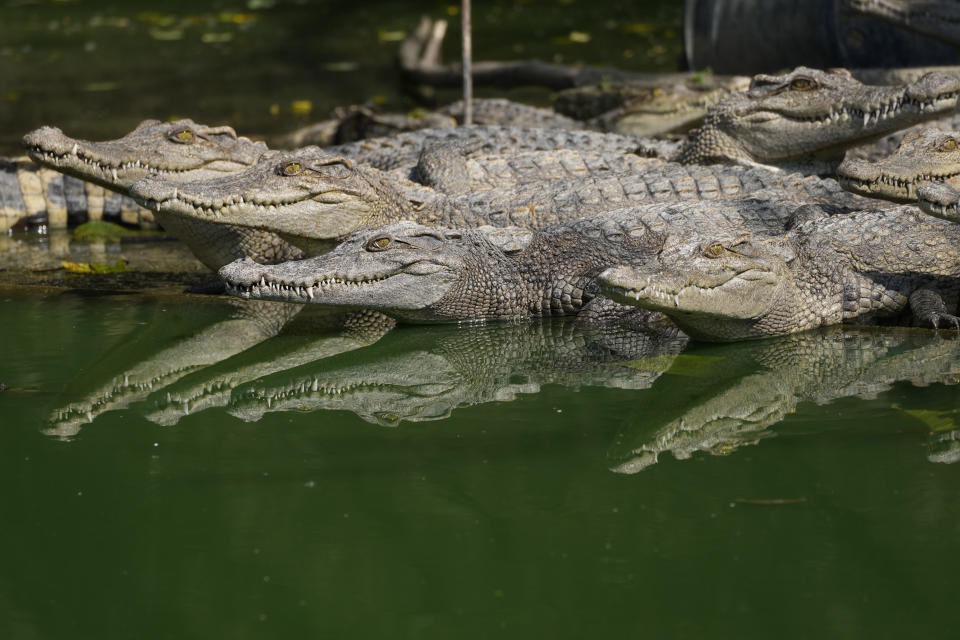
(802, 486)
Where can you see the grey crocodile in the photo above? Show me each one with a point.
(315, 200)
(403, 150)
(806, 118)
(859, 268)
(430, 374)
(426, 274)
(360, 122)
(742, 394)
(924, 156)
(36, 196)
(179, 151)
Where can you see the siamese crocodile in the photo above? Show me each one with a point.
(427, 274)
(179, 151)
(315, 200)
(858, 268)
(923, 157)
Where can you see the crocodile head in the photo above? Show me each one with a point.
(180, 150)
(941, 200)
(402, 269)
(728, 289)
(810, 112)
(923, 157)
(308, 196)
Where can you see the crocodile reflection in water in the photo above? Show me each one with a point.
(443, 368)
(819, 367)
(310, 337)
(245, 327)
(190, 358)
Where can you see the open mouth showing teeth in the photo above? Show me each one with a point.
(852, 114)
(951, 210)
(231, 206)
(56, 159)
(905, 185)
(266, 288)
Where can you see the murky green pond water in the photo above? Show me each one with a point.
(183, 466)
(182, 469)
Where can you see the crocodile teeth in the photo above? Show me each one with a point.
(115, 178)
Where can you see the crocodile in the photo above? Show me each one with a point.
(858, 268)
(648, 108)
(364, 121)
(938, 19)
(180, 151)
(924, 156)
(429, 374)
(740, 394)
(314, 200)
(404, 149)
(427, 274)
(31, 195)
(806, 118)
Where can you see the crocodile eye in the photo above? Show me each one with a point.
(949, 145)
(803, 84)
(184, 136)
(291, 169)
(380, 243)
(714, 250)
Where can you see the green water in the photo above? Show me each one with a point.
(518, 500)
(96, 69)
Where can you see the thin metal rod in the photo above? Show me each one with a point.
(467, 63)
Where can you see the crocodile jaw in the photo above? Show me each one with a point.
(112, 165)
(921, 158)
(940, 200)
(720, 304)
(312, 224)
(403, 289)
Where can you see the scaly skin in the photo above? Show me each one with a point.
(180, 151)
(426, 274)
(923, 157)
(35, 195)
(361, 122)
(784, 120)
(315, 200)
(935, 18)
(403, 150)
(940, 200)
(855, 268)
